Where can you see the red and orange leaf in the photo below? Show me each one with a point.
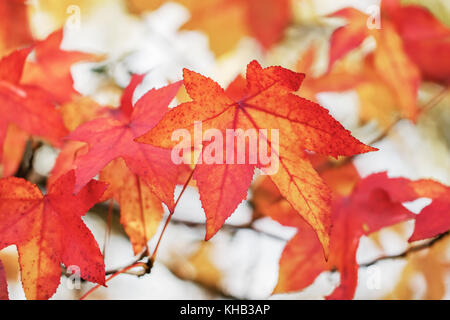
(389, 60)
(27, 106)
(397, 70)
(48, 230)
(3, 284)
(222, 191)
(423, 37)
(348, 37)
(140, 210)
(51, 68)
(227, 21)
(14, 28)
(342, 77)
(112, 136)
(300, 263)
(434, 219)
(375, 203)
(264, 101)
(74, 113)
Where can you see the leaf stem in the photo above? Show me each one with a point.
(152, 258)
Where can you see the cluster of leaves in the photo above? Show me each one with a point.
(129, 147)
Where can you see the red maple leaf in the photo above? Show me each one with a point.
(51, 68)
(29, 107)
(48, 230)
(112, 136)
(262, 101)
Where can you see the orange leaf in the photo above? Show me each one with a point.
(140, 210)
(13, 149)
(397, 71)
(424, 37)
(264, 102)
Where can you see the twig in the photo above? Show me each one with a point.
(435, 100)
(110, 278)
(152, 258)
(409, 251)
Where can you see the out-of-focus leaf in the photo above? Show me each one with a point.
(51, 68)
(433, 265)
(198, 267)
(14, 28)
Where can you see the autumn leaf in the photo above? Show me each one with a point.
(226, 22)
(379, 95)
(3, 284)
(140, 210)
(389, 61)
(423, 37)
(434, 219)
(48, 230)
(66, 159)
(263, 101)
(375, 203)
(198, 266)
(80, 110)
(51, 68)
(340, 78)
(397, 71)
(408, 37)
(14, 29)
(74, 113)
(348, 37)
(111, 137)
(29, 107)
(268, 20)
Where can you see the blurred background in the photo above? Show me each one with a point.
(160, 38)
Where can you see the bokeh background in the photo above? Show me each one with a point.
(241, 261)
